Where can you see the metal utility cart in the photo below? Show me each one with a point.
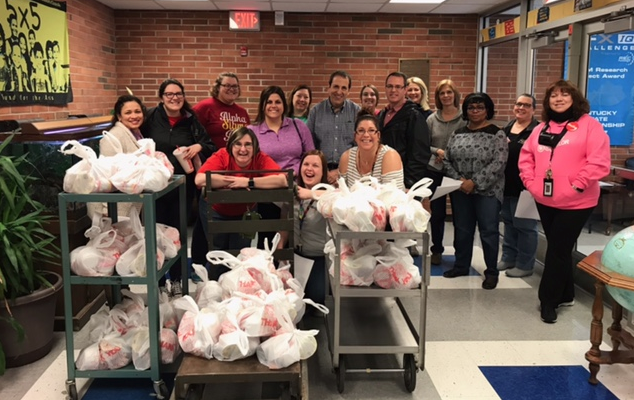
(374, 319)
(151, 280)
(195, 372)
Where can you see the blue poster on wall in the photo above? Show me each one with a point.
(611, 84)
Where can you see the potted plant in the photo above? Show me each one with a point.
(27, 293)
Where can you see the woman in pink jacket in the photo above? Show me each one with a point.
(561, 164)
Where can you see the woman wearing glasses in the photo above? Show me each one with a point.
(369, 157)
(220, 115)
(242, 153)
(520, 234)
(173, 124)
(476, 155)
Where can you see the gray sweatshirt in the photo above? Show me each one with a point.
(440, 131)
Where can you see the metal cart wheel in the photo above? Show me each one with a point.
(160, 388)
(71, 390)
(341, 374)
(409, 372)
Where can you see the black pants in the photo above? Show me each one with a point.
(562, 228)
(438, 213)
(267, 211)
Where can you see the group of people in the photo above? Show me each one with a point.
(28, 66)
(403, 142)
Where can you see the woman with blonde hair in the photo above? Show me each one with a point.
(418, 93)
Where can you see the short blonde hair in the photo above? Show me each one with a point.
(424, 99)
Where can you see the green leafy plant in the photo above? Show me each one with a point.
(23, 241)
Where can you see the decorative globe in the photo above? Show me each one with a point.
(618, 256)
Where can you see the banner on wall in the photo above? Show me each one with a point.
(611, 84)
(34, 53)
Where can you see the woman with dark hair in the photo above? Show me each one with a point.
(520, 234)
(369, 157)
(442, 123)
(220, 115)
(310, 235)
(299, 102)
(242, 153)
(284, 139)
(128, 116)
(561, 164)
(476, 154)
(370, 99)
(172, 124)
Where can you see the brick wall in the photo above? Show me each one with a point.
(92, 65)
(195, 47)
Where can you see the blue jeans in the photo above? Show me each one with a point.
(469, 209)
(520, 237)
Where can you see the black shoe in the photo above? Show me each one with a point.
(454, 272)
(548, 314)
(490, 282)
(436, 259)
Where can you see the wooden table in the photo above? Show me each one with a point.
(197, 370)
(592, 265)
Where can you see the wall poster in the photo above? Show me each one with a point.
(34, 53)
(610, 88)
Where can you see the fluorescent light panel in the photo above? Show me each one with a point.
(417, 1)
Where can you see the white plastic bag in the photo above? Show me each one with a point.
(89, 175)
(396, 268)
(207, 292)
(410, 216)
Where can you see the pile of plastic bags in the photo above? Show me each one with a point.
(120, 336)
(144, 170)
(368, 206)
(364, 262)
(252, 309)
(120, 247)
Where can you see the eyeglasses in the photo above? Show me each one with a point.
(397, 87)
(170, 95)
(230, 87)
(476, 108)
(369, 132)
(525, 105)
(237, 145)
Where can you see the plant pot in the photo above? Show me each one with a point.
(36, 314)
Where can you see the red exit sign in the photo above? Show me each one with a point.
(244, 21)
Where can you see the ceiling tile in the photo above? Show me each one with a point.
(354, 8)
(187, 5)
(299, 7)
(244, 5)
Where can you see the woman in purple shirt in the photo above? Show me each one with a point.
(284, 139)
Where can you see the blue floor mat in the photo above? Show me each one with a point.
(447, 263)
(545, 382)
(125, 389)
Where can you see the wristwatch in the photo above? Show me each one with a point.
(251, 183)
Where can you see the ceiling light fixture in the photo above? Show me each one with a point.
(417, 1)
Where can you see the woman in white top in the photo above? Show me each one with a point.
(370, 157)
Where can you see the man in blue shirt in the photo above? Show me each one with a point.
(332, 122)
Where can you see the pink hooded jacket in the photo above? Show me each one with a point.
(581, 159)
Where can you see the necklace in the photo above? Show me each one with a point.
(364, 171)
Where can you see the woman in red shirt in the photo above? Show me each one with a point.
(242, 153)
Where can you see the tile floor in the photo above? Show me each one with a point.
(480, 345)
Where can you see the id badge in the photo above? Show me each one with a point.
(548, 187)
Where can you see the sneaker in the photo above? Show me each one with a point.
(566, 303)
(177, 291)
(548, 314)
(455, 272)
(519, 273)
(502, 265)
(436, 259)
(490, 283)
